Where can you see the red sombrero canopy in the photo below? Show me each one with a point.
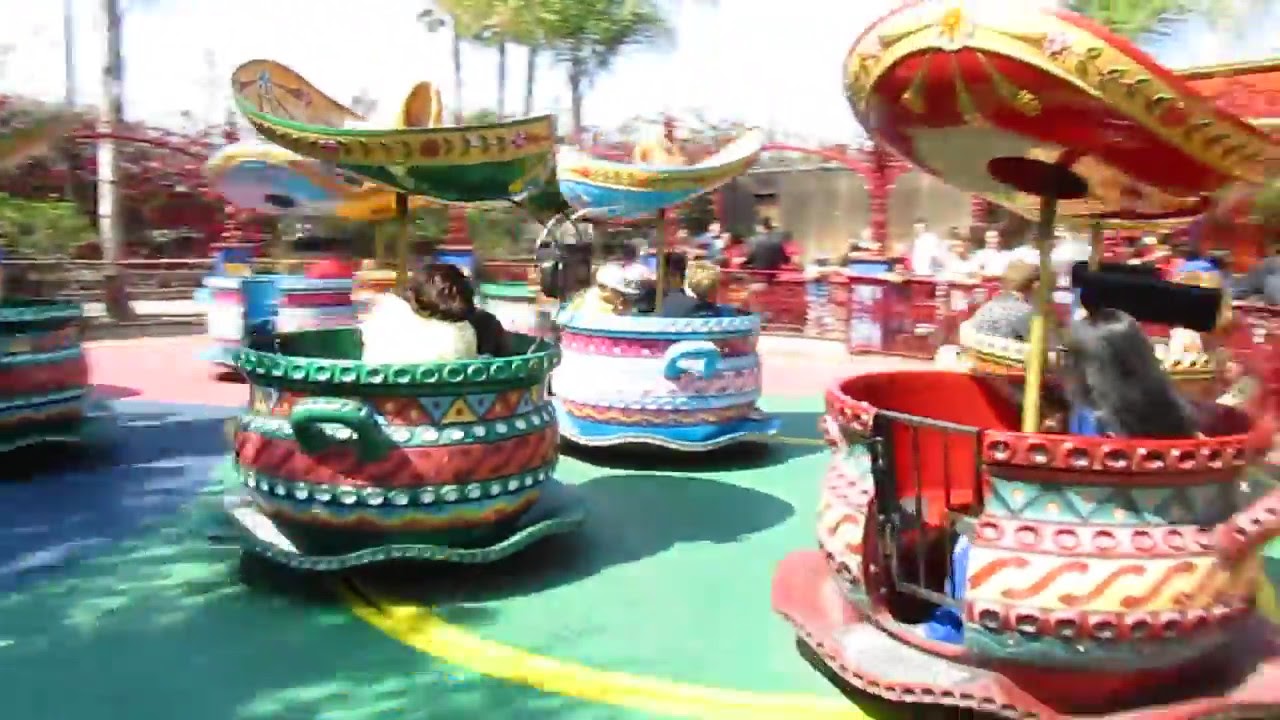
(954, 88)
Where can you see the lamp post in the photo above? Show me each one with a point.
(115, 298)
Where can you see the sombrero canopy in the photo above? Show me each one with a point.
(984, 98)
(412, 153)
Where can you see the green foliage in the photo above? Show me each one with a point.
(698, 214)
(588, 35)
(431, 223)
(1136, 19)
(41, 228)
(1266, 205)
(497, 232)
(547, 202)
(481, 117)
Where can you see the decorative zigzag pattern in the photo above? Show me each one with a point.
(404, 467)
(656, 418)
(431, 409)
(1206, 504)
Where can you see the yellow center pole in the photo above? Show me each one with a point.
(402, 242)
(662, 266)
(1037, 357)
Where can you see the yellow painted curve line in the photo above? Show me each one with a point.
(423, 630)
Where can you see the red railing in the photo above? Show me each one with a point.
(916, 316)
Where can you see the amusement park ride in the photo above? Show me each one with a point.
(969, 556)
(44, 375)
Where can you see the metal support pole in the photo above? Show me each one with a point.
(1037, 357)
(662, 266)
(402, 244)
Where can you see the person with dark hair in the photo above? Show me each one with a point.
(628, 253)
(768, 249)
(675, 301)
(431, 323)
(491, 336)
(1116, 383)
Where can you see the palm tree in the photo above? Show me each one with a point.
(1135, 19)
(586, 36)
(459, 16)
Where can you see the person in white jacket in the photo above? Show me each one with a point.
(927, 251)
(431, 323)
(991, 260)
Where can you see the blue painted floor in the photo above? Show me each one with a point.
(60, 506)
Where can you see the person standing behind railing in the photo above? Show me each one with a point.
(957, 262)
(734, 252)
(927, 251)
(992, 259)
(768, 250)
(710, 242)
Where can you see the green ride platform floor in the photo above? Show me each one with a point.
(669, 578)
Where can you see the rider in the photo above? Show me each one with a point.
(1111, 368)
(431, 323)
(703, 281)
(1008, 314)
(675, 301)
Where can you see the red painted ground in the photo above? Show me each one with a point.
(168, 370)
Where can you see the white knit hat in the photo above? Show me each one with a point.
(612, 276)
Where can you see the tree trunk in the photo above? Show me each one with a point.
(457, 77)
(577, 78)
(530, 74)
(502, 80)
(115, 296)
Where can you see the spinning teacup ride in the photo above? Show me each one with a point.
(338, 462)
(681, 383)
(45, 396)
(968, 559)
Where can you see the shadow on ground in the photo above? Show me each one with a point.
(71, 503)
(746, 456)
(630, 517)
(114, 392)
(164, 625)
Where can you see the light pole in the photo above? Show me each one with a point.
(109, 115)
(69, 54)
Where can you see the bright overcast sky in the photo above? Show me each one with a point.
(758, 61)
